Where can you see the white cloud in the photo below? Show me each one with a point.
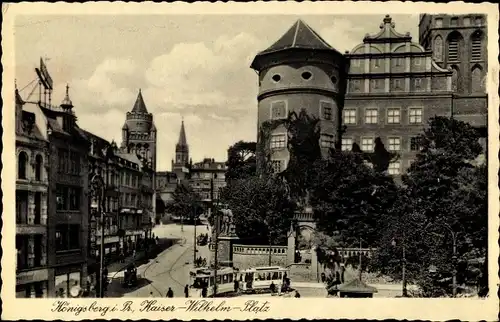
(342, 34)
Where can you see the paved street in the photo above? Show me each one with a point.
(169, 269)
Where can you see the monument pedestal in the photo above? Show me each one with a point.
(225, 250)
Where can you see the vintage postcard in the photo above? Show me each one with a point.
(250, 161)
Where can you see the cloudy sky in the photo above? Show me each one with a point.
(196, 67)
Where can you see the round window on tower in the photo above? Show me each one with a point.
(306, 75)
(333, 79)
(276, 78)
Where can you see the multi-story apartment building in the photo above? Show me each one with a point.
(67, 204)
(203, 175)
(32, 270)
(130, 218)
(102, 161)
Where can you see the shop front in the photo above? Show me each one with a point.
(32, 284)
(69, 282)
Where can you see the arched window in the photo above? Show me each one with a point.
(455, 78)
(22, 165)
(438, 48)
(476, 46)
(453, 46)
(38, 167)
(477, 82)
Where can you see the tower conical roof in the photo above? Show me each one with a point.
(139, 106)
(300, 35)
(182, 136)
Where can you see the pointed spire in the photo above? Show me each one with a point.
(66, 101)
(139, 106)
(182, 135)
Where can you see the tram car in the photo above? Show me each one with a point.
(260, 278)
(201, 278)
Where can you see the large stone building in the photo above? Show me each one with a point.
(393, 84)
(32, 270)
(300, 71)
(459, 43)
(394, 87)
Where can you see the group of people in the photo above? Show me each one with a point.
(200, 262)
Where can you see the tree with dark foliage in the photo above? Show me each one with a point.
(445, 195)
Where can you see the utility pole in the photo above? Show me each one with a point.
(403, 270)
(360, 260)
(215, 213)
(195, 222)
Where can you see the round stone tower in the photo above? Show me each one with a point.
(300, 71)
(139, 133)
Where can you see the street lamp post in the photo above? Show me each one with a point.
(98, 187)
(194, 217)
(403, 265)
(454, 256)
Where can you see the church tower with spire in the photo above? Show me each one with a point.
(139, 133)
(181, 162)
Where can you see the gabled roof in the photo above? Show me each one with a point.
(387, 31)
(300, 35)
(131, 157)
(139, 106)
(98, 144)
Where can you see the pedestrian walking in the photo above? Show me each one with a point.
(186, 291)
(170, 293)
(204, 291)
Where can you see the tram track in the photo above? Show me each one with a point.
(168, 271)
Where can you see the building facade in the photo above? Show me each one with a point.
(32, 267)
(207, 178)
(300, 71)
(394, 85)
(67, 206)
(459, 43)
(103, 162)
(394, 88)
(139, 137)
